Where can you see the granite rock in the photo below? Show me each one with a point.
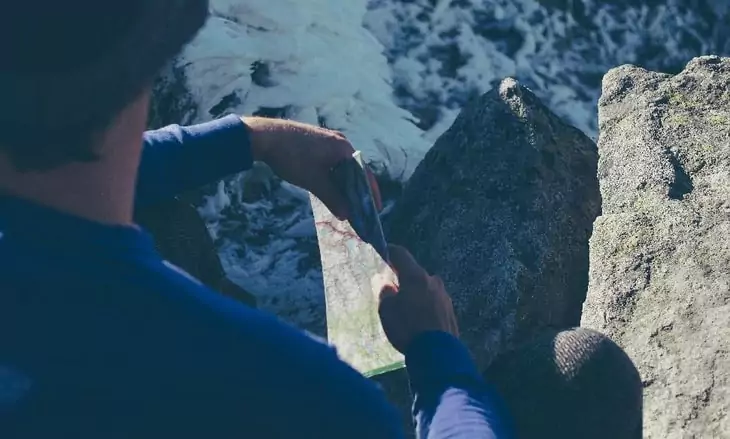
(502, 208)
(660, 252)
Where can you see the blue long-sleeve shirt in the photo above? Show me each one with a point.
(101, 338)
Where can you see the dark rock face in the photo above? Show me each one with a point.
(502, 209)
(660, 253)
(171, 101)
(183, 239)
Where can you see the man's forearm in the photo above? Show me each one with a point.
(451, 398)
(176, 159)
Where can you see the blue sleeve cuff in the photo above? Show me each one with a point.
(177, 159)
(436, 360)
(451, 399)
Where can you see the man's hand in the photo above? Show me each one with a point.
(419, 304)
(303, 155)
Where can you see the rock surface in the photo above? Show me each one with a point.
(502, 208)
(660, 254)
(182, 238)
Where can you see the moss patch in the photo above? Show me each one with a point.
(675, 120)
(677, 99)
(719, 120)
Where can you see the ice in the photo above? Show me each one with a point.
(321, 66)
(560, 52)
(392, 76)
(309, 61)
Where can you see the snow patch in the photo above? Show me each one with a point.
(444, 54)
(392, 75)
(315, 63)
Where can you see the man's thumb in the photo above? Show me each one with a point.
(391, 317)
(403, 262)
(388, 306)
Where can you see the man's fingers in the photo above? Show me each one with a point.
(387, 292)
(375, 189)
(342, 149)
(391, 318)
(405, 265)
(389, 305)
(337, 149)
(438, 283)
(333, 199)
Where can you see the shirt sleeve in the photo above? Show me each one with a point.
(451, 399)
(176, 159)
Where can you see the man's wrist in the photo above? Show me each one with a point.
(257, 129)
(437, 359)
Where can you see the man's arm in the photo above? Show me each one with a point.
(176, 159)
(451, 399)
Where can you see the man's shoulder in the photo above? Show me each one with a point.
(144, 301)
(190, 358)
(155, 334)
(273, 369)
(191, 303)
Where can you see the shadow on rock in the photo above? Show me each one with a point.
(502, 209)
(182, 238)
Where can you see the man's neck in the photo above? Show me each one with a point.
(101, 191)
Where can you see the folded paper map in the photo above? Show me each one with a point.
(354, 274)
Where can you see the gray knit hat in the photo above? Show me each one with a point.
(85, 87)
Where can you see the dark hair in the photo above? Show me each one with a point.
(36, 148)
(67, 68)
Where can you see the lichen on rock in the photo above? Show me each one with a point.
(660, 253)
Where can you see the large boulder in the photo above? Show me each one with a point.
(660, 253)
(502, 208)
(182, 239)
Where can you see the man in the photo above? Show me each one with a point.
(99, 337)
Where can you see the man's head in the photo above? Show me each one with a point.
(68, 68)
